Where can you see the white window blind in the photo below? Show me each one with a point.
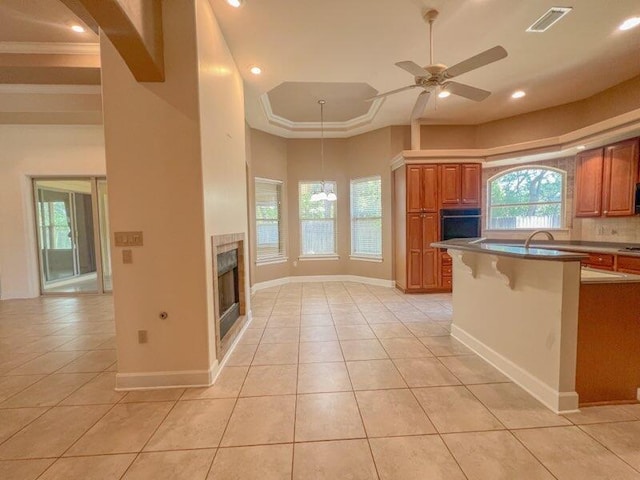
(366, 217)
(317, 221)
(269, 235)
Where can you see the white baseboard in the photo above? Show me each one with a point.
(559, 402)
(379, 282)
(180, 379)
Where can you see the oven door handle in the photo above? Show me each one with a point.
(461, 216)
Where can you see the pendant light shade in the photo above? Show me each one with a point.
(325, 194)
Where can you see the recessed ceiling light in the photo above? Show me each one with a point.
(77, 28)
(256, 70)
(629, 23)
(518, 94)
(444, 94)
(235, 3)
(580, 147)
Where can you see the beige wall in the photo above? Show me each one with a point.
(154, 167)
(222, 131)
(268, 160)
(30, 151)
(296, 160)
(541, 124)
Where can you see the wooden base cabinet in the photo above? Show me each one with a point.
(421, 190)
(422, 271)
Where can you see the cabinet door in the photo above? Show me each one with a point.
(414, 251)
(429, 253)
(471, 184)
(620, 172)
(450, 185)
(589, 169)
(430, 188)
(414, 189)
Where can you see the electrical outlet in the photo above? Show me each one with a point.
(142, 336)
(127, 256)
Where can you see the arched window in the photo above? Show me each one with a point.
(526, 198)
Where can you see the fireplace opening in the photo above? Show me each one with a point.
(228, 290)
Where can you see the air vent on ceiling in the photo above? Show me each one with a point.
(548, 19)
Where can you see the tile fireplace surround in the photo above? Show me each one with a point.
(221, 244)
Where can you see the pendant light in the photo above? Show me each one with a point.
(325, 193)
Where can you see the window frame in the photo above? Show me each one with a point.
(563, 199)
(363, 256)
(281, 256)
(318, 256)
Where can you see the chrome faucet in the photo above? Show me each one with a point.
(527, 242)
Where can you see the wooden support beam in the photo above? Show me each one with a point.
(135, 29)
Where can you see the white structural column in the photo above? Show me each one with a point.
(521, 315)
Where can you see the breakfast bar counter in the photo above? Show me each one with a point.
(559, 331)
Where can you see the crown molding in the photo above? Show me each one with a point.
(19, 88)
(50, 48)
(336, 127)
(598, 134)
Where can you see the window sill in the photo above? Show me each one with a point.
(305, 258)
(271, 261)
(365, 258)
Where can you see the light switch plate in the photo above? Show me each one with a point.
(128, 239)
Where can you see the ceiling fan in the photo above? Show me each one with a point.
(435, 76)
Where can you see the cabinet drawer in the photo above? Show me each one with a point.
(629, 264)
(446, 270)
(447, 282)
(445, 259)
(599, 260)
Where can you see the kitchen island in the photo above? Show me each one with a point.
(567, 335)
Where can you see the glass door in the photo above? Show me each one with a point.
(69, 229)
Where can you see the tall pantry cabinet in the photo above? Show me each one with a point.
(421, 190)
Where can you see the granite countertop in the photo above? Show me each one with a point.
(591, 275)
(612, 248)
(518, 251)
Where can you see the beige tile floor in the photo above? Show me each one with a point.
(331, 381)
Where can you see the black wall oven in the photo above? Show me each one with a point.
(459, 223)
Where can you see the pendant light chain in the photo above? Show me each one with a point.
(322, 102)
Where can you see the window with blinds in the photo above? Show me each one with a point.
(269, 237)
(366, 217)
(317, 221)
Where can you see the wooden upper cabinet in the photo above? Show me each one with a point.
(619, 178)
(471, 184)
(606, 180)
(450, 185)
(414, 189)
(422, 188)
(589, 171)
(430, 188)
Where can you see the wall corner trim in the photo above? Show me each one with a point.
(559, 402)
(378, 282)
(178, 379)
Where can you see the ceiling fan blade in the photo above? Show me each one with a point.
(413, 68)
(466, 91)
(391, 92)
(480, 60)
(421, 104)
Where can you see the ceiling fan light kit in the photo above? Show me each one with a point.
(437, 75)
